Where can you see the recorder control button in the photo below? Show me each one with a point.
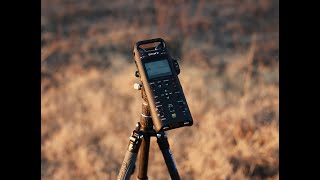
(181, 102)
(166, 82)
(170, 107)
(161, 114)
(159, 110)
(174, 115)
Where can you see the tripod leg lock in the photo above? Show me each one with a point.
(128, 164)
(135, 141)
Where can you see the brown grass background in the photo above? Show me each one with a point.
(228, 54)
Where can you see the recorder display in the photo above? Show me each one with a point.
(158, 68)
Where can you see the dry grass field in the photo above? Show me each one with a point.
(228, 55)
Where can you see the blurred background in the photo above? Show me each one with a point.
(228, 54)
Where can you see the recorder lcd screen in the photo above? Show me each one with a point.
(158, 68)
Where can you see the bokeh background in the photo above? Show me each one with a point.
(228, 53)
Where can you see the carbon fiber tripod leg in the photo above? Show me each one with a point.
(167, 155)
(128, 163)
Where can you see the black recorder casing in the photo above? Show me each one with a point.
(159, 77)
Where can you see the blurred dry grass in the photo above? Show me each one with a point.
(228, 53)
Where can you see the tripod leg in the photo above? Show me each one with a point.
(167, 155)
(143, 158)
(127, 166)
(146, 126)
(128, 163)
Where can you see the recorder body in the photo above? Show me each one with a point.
(158, 73)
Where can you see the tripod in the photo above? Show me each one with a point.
(140, 138)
